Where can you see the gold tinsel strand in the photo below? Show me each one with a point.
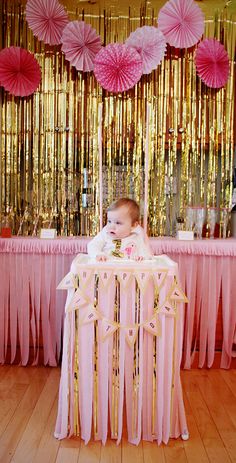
(49, 140)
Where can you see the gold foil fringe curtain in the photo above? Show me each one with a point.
(49, 142)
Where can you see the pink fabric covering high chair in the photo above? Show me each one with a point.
(124, 349)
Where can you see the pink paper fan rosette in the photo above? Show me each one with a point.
(117, 67)
(47, 19)
(80, 43)
(20, 72)
(212, 63)
(150, 43)
(182, 23)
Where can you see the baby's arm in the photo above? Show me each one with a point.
(95, 247)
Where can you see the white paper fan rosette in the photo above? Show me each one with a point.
(47, 19)
(80, 43)
(212, 63)
(182, 23)
(150, 43)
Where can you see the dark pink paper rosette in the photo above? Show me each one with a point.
(182, 23)
(118, 67)
(20, 72)
(212, 63)
(47, 19)
(150, 43)
(80, 43)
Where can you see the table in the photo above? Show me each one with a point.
(122, 345)
(32, 311)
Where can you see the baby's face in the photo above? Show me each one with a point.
(119, 224)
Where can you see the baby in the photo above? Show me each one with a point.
(122, 237)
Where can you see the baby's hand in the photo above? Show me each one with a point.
(101, 257)
(138, 258)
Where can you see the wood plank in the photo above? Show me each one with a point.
(16, 426)
(229, 377)
(27, 448)
(90, 453)
(10, 399)
(152, 452)
(67, 455)
(28, 404)
(111, 452)
(131, 453)
(209, 433)
(194, 448)
(175, 452)
(49, 445)
(215, 399)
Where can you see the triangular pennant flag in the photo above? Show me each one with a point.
(131, 334)
(90, 315)
(69, 281)
(177, 294)
(159, 277)
(142, 279)
(106, 277)
(167, 308)
(124, 277)
(153, 326)
(78, 300)
(85, 276)
(108, 327)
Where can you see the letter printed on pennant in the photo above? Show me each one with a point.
(108, 327)
(167, 309)
(177, 294)
(69, 281)
(159, 277)
(85, 276)
(106, 277)
(124, 277)
(78, 300)
(131, 334)
(153, 326)
(142, 279)
(90, 315)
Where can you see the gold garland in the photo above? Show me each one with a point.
(49, 164)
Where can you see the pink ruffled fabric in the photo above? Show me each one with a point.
(76, 245)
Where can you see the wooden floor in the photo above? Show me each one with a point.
(28, 407)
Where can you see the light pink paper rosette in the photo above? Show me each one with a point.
(118, 67)
(212, 63)
(20, 72)
(150, 43)
(47, 19)
(80, 43)
(182, 23)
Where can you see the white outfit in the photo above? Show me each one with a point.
(134, 245)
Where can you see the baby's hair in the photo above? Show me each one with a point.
(130, 204)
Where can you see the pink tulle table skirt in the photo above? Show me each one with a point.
(32, 310)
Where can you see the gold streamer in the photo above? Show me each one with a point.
(49, 163)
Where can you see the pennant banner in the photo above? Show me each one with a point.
(90, 315)
(177, 294)
(85, 276)
(78, 300)
(124, 277)
(131, 334)
(107, 328)
(167, 309)
(142, 279)
(69, 281)
(160, 277)
(153, 326)
(106, 277)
